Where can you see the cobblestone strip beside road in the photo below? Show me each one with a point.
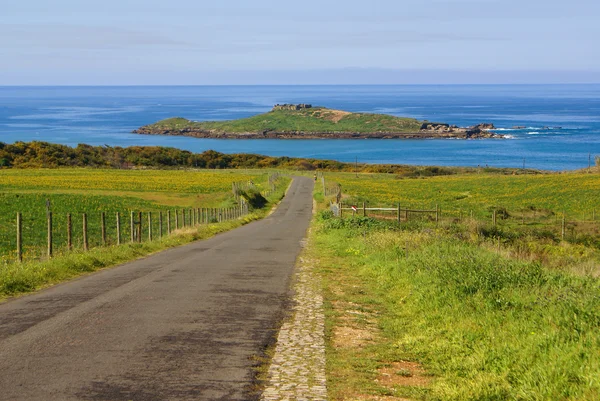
(297, 370)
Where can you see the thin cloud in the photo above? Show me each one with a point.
(50, 36)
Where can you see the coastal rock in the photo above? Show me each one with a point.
(484, 126)
(438, 131)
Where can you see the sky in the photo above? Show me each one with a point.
(199, 42)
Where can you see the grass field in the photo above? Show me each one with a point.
(422, 315)
(78, 191)
(460, 310)
(576, 194)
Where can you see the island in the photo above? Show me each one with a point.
(303, 121)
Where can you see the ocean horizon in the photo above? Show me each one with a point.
(551, 127)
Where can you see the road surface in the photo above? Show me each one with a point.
(183, 324)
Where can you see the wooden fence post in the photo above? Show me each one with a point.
(131, 226)
(86, 245)
(49, 234)
(139, 236)
(118, 229)
(494, 217)
(69, 232)
(437, 213)
(19, 237)
(150, 226)
(364, 210)
(168, 222)
(103, 227)
(160, 224)
(398, 216)
(176, 219)
(341, 210)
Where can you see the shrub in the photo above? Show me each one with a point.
(254, 198)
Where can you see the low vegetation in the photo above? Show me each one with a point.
(48, 155)
(459, 309)
(572, 193)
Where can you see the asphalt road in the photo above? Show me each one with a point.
(179, 325)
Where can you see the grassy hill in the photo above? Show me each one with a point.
(317, 119)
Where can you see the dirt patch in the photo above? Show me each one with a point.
(352, 337)
(403, 374)
(336, 115)
(331, 115)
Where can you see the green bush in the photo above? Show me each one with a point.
(254, 198)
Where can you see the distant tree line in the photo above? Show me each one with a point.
(49, 155)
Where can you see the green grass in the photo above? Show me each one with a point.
(315, 120)
(93, 191)
(572, 193)
(33, 209)
(483, 325)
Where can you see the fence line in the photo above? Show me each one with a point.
(190, 217)
(61, 232)
(497, 217)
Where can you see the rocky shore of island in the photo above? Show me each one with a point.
(427, 131)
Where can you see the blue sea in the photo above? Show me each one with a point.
(561, 122)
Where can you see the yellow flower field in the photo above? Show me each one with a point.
(577, 195)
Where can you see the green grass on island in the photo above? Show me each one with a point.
(312, 120)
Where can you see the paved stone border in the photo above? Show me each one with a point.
(297, 370)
